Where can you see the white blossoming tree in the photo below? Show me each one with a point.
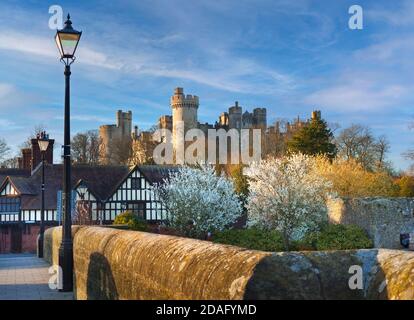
(198, 201)
(288, 195)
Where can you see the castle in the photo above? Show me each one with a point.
(185, 112)
(114, 134)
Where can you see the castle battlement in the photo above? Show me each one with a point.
(180, 100)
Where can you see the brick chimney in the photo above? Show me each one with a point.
(31, 157)
(25, 162)
(36, 155)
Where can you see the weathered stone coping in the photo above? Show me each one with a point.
(117, 264)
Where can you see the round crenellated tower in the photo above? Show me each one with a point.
(184, 111)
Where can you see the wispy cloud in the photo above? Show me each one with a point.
(88, 118)
(225, 74)
(358, 96)
(288, 56)
(397, 14)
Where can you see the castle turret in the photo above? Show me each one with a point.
(124, 122)
(223, 121)
(247, 120)
(235, 116)
(260, 118)
(184, 112)
(316, 115)
(165, 122)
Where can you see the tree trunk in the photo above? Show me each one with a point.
(286, 241)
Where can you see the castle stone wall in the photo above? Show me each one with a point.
(117, 264)
(110, 134)
(384, 219)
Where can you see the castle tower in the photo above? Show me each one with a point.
(114, 133)
(184, 111)
(316, 115)
(165, 122)
(235, 116)
(260, 118)
(124, 122)
(247, 120)
(223, 121)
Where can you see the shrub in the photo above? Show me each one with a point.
(133, 222)
(406, 186)
(286, 194)
(198, 201)
(350, 179)
(338, 237)
(331, 237)
(252, 238)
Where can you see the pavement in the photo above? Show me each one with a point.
(26, 277)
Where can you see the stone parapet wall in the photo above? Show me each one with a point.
(52, 240)
(384, 219)
(117, 264)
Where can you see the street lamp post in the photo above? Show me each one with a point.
(43, 141)
(67, 41)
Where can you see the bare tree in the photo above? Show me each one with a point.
(357, 142)
(4, 149)
(410, 153)
(120, 151)
(382, 148)
(334, 126)
(85, 147)
(11, 163)
(142, 151)
(38, 129)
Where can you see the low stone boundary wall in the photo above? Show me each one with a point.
(384, 219)
(117, 264)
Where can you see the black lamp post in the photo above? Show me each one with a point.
(43, 141)
(67, 41)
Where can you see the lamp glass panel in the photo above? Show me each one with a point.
(58, 44)
(43, 144)
(68, 41)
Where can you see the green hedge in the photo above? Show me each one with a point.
(331, 237)
(132, 221)
(339, 237)
(252, 238)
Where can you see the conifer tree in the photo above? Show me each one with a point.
(313, 139)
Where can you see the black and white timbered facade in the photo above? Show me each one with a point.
(102, 191)
(133, 193)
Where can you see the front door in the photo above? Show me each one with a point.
(16, 239)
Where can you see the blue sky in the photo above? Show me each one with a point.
(288, 56)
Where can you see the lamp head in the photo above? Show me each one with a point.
(67, 40)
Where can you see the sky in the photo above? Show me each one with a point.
(291, 57)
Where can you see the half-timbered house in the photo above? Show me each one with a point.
(100, 193)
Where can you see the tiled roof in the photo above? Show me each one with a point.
(4, 173)
(102, 181)
(157, 174)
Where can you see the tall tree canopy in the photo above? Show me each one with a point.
(358, 143)
(85, 147)
(312, 139)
